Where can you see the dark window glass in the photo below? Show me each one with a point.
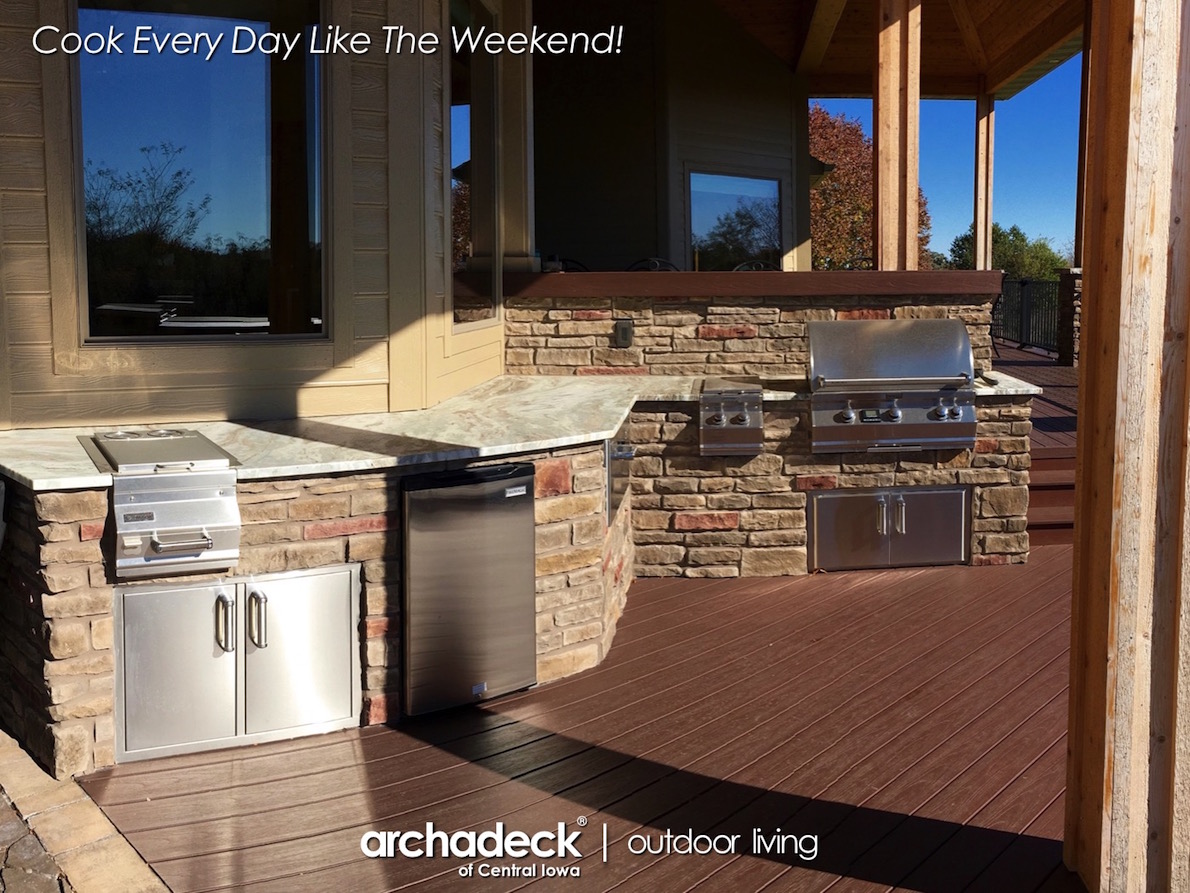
(735, 222)
(473, 170)
(201, 177)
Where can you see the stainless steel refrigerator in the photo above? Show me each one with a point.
(468, 619)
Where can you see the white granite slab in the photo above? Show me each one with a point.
(510, 414)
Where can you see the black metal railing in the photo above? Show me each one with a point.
(1027, 313)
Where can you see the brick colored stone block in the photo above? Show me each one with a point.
(551, 477)
(91, 530)
(591, 314)
(346, 526)
(706, 520)
(722, 332)
(987, 445)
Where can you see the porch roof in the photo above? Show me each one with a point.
(1008, 44)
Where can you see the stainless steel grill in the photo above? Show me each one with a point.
(174, 501)
(890, 385)
(731, 417)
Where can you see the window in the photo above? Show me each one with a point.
(473, 238)
(201, 178)
(735, 222)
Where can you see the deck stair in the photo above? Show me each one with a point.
(1051, 497)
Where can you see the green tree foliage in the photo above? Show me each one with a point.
(1012, 251)
(841, 202)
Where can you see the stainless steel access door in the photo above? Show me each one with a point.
(849, 529)
(469, 586)
(930, 526)
(178, 666)
(298, 646)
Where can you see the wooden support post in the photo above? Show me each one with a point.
(985, 137)
(1128, 777)
(895, 114)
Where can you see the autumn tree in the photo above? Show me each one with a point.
(841, 202)
(1012, 251)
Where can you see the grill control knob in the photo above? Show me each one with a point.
(739, 419)
(895, 413)
(955, 410)
(848, 414)
(717, 420)
(940, 412)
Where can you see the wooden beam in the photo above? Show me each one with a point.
(1033, 45)
(822, 28)
(1127, 781)
(895, 115)
(969, 33)
(985, 138)
(1084, 140)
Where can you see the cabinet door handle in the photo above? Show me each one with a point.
(882, 516)
(258, 618)
(225, 622)
(899, 518)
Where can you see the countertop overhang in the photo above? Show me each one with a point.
(510, 414)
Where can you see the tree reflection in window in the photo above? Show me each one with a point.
(734, 222)
(201, 179)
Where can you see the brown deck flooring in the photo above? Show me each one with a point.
(1055, 412)
(913, 720)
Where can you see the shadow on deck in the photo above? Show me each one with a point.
(909, 726)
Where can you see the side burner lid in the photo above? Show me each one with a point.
(160, 450)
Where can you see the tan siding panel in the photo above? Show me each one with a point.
(20, 110)
(367, 87)
(24, 218)
(25, 268)
(79, 408)
(28, 318)
(371, 315)
(32, 372)
(22, 164)
(369, 135)
(371, 272)
(18, 59)
(369, 182)
(370, 227)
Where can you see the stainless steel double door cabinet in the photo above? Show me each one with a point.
(236, 661)
(469, 586)
(904, 527)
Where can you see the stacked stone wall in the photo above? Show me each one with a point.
(56, 588)
(731, 516)
(705, 336)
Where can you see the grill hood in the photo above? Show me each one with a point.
(876, 354)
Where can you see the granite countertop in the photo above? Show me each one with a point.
(510, 414)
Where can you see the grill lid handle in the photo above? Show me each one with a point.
(961, 380)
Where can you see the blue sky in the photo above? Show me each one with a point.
(1036, 158)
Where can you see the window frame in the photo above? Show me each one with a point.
(76, 352)
(718, 166)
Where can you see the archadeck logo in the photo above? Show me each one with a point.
(497, 843)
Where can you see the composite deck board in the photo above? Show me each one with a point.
(916, 698)
(1055, 410)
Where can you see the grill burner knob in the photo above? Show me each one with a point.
(955, 411)
(848, 414)
(739, 419)
(940, 411)
(717, 420)
(895, 413)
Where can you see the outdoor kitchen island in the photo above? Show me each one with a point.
(324, 492)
